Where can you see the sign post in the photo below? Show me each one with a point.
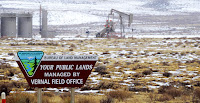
(72, 95)
(55, 70)
(39, 95)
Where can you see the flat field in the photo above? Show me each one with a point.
(128, 70)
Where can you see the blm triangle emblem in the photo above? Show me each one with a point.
(30, 60)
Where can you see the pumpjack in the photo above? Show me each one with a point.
(109, 29)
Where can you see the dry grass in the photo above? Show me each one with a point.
(48, 97)
(164, 97)
(87, 99)
(21, 98)
(120, 95)
(141, 63)
(107, 100)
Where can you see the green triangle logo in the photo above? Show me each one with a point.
(30, 60)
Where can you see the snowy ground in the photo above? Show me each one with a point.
(69, 19)
(73, 17)
(125, 60)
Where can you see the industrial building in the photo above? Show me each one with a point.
(25, 25)
(8, 25)
(16, 25)
(20, 25)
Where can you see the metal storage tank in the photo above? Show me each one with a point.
(44, 24)
(8, 25)
(25, 25)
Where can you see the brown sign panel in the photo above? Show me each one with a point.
(58, 70)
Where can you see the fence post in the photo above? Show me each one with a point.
(3, 97)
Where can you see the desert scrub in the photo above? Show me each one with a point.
(21, 98)
(136, 66)
(167, 74)
(170, 91)
(54, 99)
(147, 72)
(196, 95)
(101, 70)
(120, 95)
(66, 97)
(87, 99)
(107, 100)
(107, 85)
(163, 98)
(4, 66)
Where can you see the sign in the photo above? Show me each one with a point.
(55, 70)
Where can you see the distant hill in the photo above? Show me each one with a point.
(72, 12)
(160, 5)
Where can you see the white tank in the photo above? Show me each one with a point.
(25, 25)
(8, 25)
